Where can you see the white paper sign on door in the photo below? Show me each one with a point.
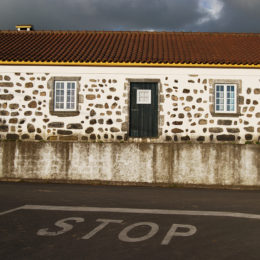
(143, 96)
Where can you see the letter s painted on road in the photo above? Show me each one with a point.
(62, 224)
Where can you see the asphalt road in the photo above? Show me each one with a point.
(62, 221)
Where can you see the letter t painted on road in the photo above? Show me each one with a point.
(104, 223)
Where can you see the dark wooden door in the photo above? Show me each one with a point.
(143, 109)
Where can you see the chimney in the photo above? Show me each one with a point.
(24, 27)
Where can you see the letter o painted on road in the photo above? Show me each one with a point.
(123, 235)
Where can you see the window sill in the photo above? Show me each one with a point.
(64, 113)
(225, 114)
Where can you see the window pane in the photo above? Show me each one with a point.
(70, 95)
(59, 95)
(219, 98)
(231, 100)
(230, 108)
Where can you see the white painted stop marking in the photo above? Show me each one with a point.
(123, 235)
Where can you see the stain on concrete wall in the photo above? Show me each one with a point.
(208, 164)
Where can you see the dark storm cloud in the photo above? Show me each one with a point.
(145, 14)
(99, 14)
(173, 15)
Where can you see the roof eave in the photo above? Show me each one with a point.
(129, 64)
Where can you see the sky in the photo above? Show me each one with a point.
(141, 15)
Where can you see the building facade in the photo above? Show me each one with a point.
(191, 104)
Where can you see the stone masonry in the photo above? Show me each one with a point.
(185, 109)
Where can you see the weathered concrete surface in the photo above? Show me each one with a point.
(171, 163)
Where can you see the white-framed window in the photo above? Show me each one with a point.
(225, 98)
(65, 97)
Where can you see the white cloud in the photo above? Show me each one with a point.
(211, 10)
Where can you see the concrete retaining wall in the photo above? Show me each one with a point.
(207, 164)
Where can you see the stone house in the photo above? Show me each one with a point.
(129, 86)
(132, 107)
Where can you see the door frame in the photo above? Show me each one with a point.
(160, 107)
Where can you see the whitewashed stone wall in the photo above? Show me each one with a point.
(185, 104)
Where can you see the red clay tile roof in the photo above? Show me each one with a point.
(130, 47)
